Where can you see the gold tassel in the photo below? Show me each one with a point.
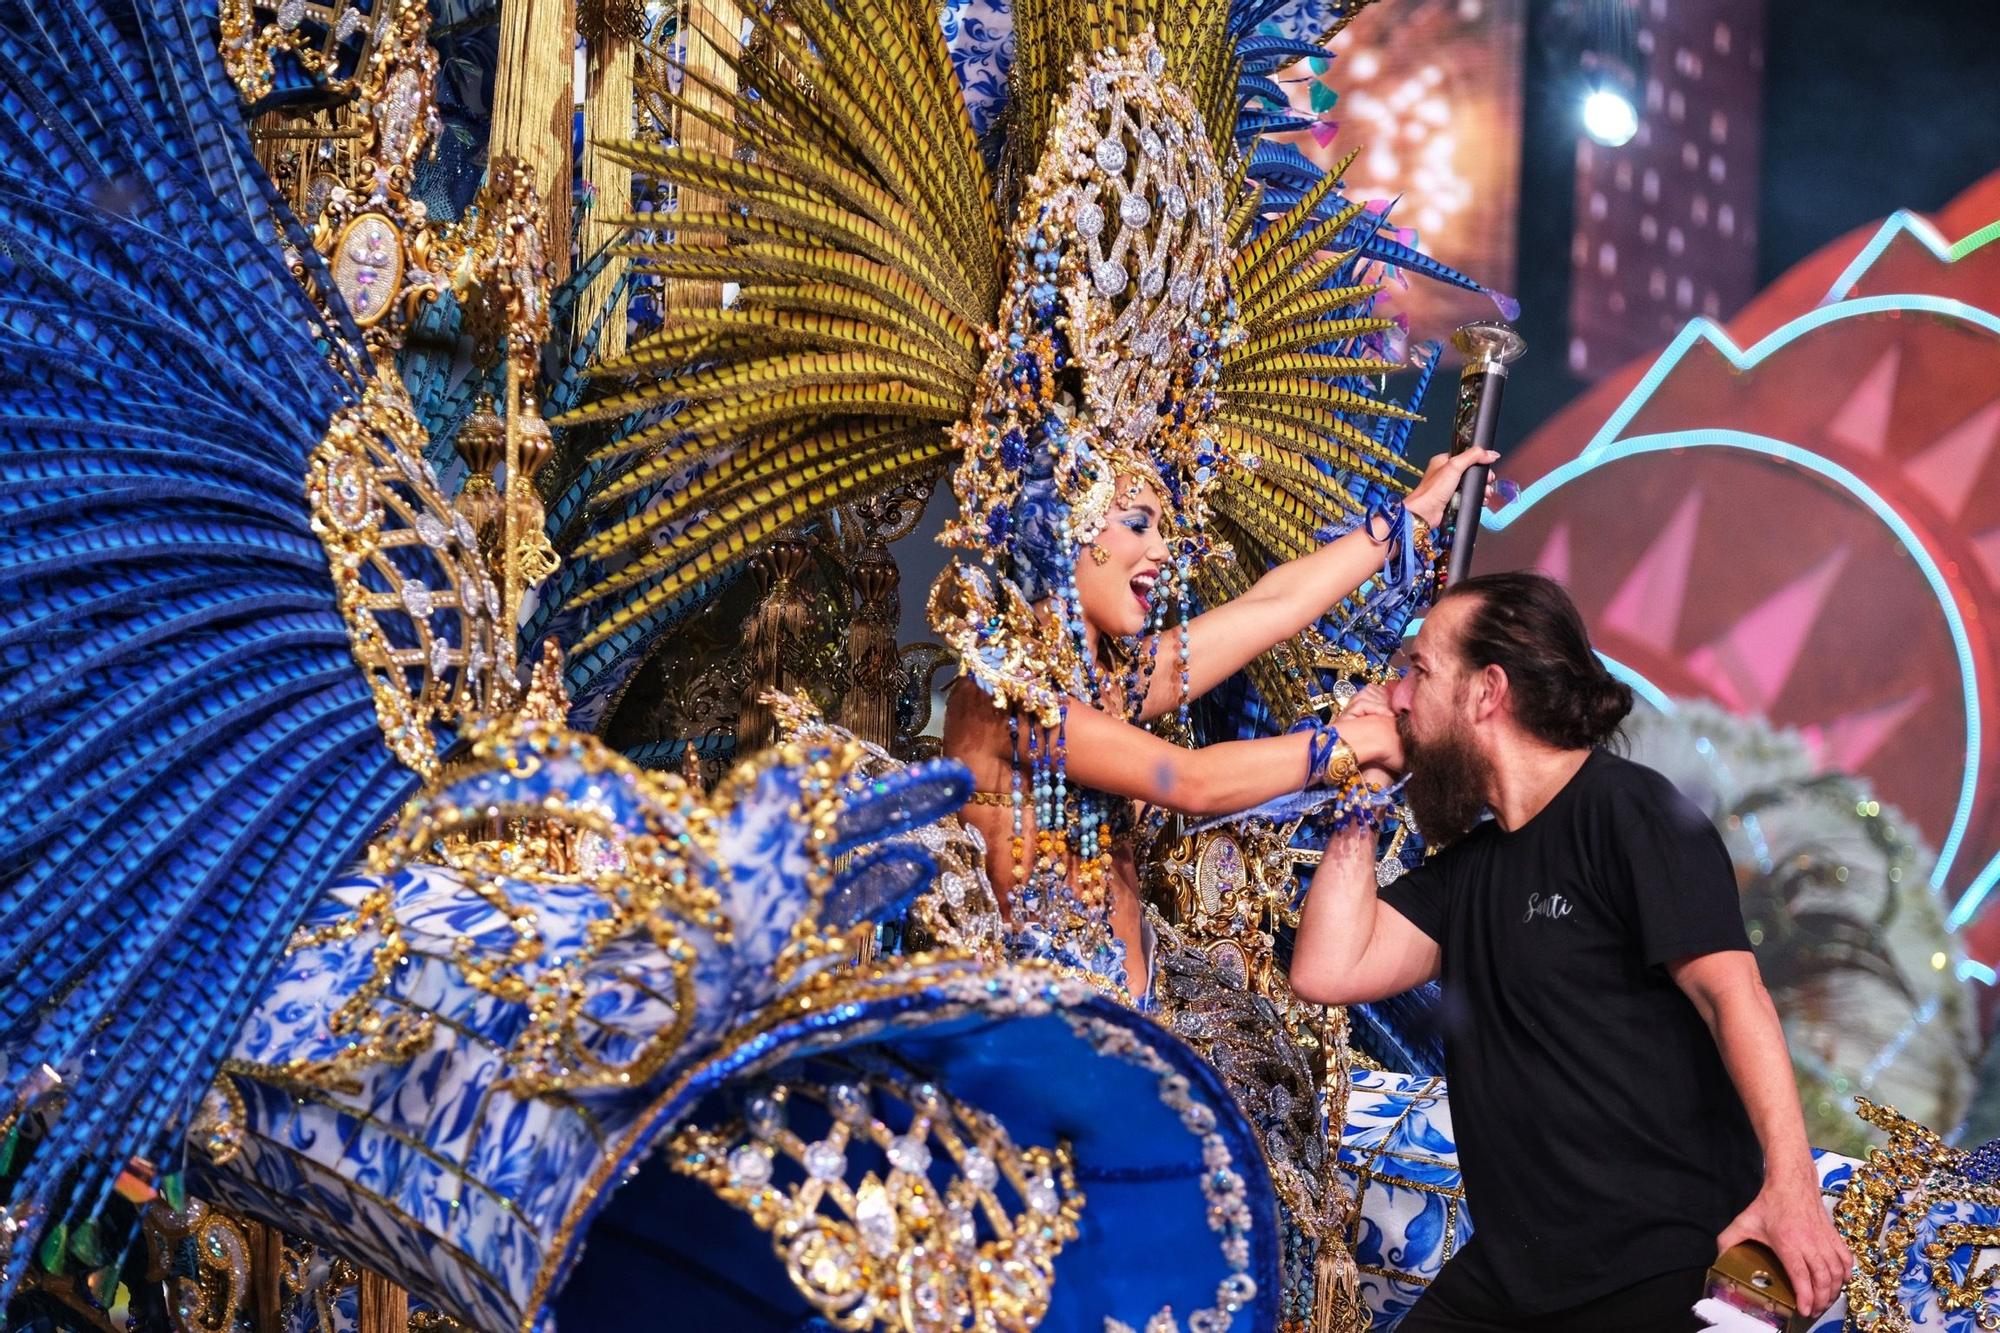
(713, 27)
(1336, 1289)
(607, 117)
(384, 1306)
(267, 1270)
(869, 710)
(1336, 1281)
(780, 622)
(534, 99)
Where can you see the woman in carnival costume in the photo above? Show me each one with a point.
(1051, 713)
(1145, 337)
(235, 659)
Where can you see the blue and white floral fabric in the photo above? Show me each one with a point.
(1400, 1158)
(478, 1195)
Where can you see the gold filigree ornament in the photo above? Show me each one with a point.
(311, 33)
(209, 1299)
(644, 877)
(1887, 1200)
(423, 614)
(895, 1250)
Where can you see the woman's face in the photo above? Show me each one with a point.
(1117, 591)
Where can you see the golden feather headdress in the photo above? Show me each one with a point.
(879, 286)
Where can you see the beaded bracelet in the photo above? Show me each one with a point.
(1360, 804)
(1330, 761)
(1332, 765)
(1424, 542)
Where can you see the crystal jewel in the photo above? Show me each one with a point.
(765, 1116)
(1176, 202)
(1041, 1195)
(981, 1171)
(750, 1166)
(350, 23)
(1110, 277)
(1134, 211)
(417, 598)
(291, 13)
(962, 1230)
(1110, 156)
(847, 1102)
(875, 1218)
(1089, 220)
(430, 530)
(910, 1153)
(825, 1161)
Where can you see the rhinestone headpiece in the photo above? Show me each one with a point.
(1101, 366)
(928, 1244)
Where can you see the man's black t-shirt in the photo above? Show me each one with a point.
(1600, 1137)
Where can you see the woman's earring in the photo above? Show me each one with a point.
(1099, 554)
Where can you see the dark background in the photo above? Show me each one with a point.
(1868, 107)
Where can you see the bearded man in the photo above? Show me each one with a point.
(1619, 1082)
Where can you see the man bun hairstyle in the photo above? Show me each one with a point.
(1526, 625)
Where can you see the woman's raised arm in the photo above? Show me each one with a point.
(1114, 756)
(1291, 597)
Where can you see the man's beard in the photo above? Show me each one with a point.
(1448, 782)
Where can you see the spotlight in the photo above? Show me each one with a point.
(1609, 117)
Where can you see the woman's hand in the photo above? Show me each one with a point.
(1371, 702)
(1440, 483)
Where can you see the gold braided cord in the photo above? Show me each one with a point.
(1281, 519)
(1247, 208)
(1287, 337)
(1307, 279)
(1218, 581)
(1282, 228)
(939, 177)
(1286, 424)
(848, 200)
(1284, 261)
(1270, 450)
(1050, 34)
(733, 419)
(1319, 309)
(697, 333)
(778, 456)
(1291, 365)
(770, 513)
(1326, 497)
(785, 372)
(1290, 389)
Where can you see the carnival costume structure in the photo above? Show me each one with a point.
(352, 965)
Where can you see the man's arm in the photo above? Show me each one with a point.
(1352, 947)
(1787, 1213)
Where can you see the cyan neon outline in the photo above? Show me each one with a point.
(1606, 447)
(1905, 223)
(1642, 687)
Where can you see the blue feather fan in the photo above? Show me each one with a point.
(193, 751)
